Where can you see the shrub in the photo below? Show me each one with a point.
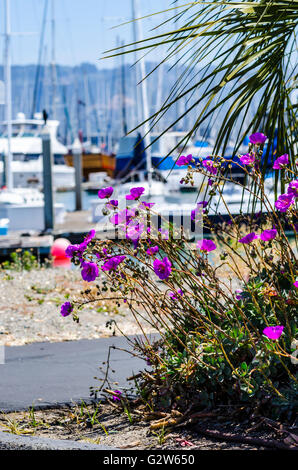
(21, 260)
(225, 309)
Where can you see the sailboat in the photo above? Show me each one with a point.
(23, 207)
(96, 157)
(148, 157)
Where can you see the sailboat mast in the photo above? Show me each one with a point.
(39, 64)
(8, 156)
(87, 108)
(138, 98)
(144, 94)
(53, 62)
(177, 105)
(123, 97)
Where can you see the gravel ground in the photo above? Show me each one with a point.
(30, 308)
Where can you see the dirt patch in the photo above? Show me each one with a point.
(108, 424)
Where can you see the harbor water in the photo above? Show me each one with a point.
(68, 199)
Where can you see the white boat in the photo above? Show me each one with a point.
(26, 149)
(24, 208)
(96, 181)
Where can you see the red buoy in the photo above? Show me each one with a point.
(58, 252)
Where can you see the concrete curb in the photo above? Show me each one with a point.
(101, 399)
(12, 442)
(55, 405)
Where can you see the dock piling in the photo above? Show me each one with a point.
(77, 163)
(48, 180)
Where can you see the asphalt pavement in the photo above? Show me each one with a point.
(54, 374)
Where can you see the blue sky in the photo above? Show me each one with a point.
(83, 28)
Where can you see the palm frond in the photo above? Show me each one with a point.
(251, 48)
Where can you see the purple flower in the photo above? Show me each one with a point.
(117, 397)
(147, 205)
(164, 233)
(175, 295)
(162, 268)
(209, 165)
(280, 162)
(71, 250)
(206, 245)
(248, 158)
(273, 332)
(148, 362)
(193, 214)
(89, 271)
(112, 204)
(184, 160)
(248, 238)
(257, 138)
(103, 254)
(130, 213)
(238, 294)
(293, 188)
(152, 250)
(105, 192)
(66, 309)
(90, 236)
(202, 203)
(77, 250)
(113, 263)
(295, 284)
(210, 182)
(83, 246)
(284, 202)
(135, 193)
(198, 210)
(124, 216)
(134, 231)
(268, 235)
(114, 219)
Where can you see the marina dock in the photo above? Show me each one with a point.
(74, 228)
(38, 243)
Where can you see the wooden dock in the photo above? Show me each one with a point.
(75, 227)
(38, 244)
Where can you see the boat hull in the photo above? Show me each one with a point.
(94, 162)
(29, 217)
(28, 174)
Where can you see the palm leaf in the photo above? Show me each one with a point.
(252, 63)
